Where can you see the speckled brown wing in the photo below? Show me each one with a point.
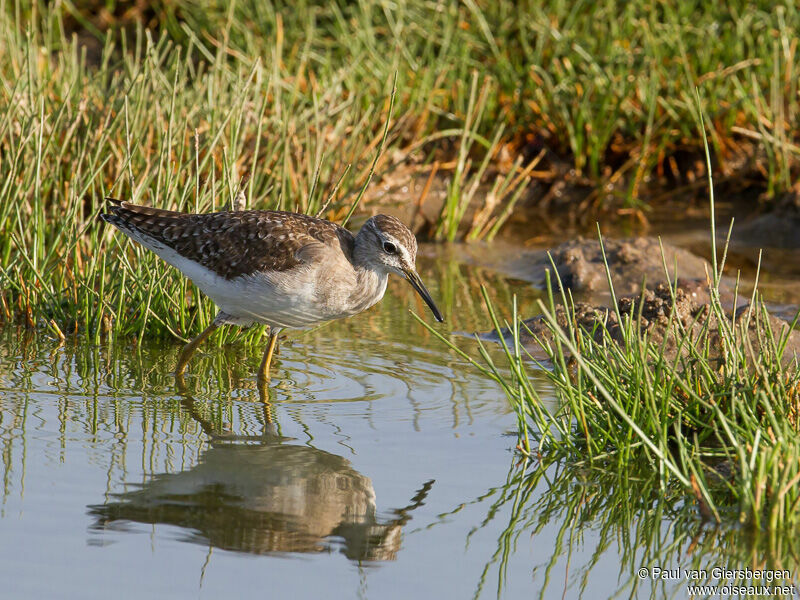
(232, 244)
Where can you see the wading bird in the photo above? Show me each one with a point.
(282, 269)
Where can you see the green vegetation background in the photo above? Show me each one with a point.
(175, 103)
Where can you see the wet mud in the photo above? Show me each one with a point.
(652, 311)
(636, 266)
(634, 263)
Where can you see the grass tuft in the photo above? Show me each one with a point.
(718, 419)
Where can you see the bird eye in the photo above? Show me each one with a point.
(389, 248)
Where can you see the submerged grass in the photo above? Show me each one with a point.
(701, 456)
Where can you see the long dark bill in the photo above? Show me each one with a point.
(417, 284)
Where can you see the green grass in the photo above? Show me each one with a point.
(179, 104)
(608, 85)
(717, 435)
(685, 463)
(715, 426)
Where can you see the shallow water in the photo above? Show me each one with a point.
(379, 466)
(119, 483)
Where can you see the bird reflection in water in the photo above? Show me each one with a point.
(260, 495)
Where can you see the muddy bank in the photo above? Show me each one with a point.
(665, 322)
(637, 270)
(633, 262)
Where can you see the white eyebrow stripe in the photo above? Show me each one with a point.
(405, 254)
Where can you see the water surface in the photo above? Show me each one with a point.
(117, 482)
(379, 465)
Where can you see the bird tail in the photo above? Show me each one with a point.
(136, 220)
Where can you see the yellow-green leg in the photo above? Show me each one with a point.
(263, 370)
(189, 348)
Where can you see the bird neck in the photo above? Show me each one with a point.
(371, 274)
(369, 288)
